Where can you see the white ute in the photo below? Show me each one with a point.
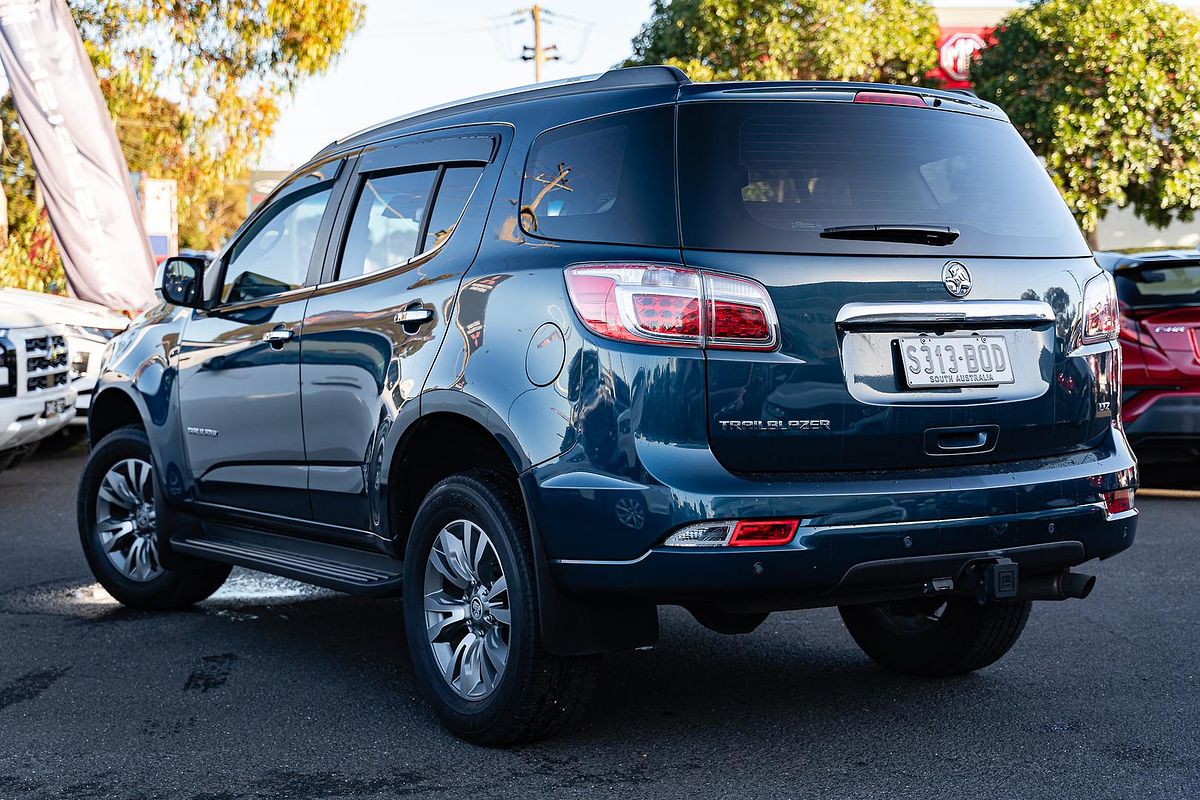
(89, 328)
(36, 396)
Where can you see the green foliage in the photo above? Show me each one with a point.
(1108, 93)
(30, 261)
(874, 40)
(193, 87)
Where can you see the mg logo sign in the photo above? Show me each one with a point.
(956, 54)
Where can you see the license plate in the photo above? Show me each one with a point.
(54, 408)
(949, 361)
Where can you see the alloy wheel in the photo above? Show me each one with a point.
(468, 618)
(125, 519)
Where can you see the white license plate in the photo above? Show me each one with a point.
(948, 361)
(54, 408)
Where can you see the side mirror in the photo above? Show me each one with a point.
(181, 281)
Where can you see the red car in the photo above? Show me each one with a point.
(1159, 295)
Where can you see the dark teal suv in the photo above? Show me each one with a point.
(544, 361)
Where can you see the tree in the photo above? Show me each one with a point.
(193, 87)
(1108, 94)
(874, 40)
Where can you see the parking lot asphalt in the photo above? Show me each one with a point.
(274, 690)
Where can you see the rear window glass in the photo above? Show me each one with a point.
(608, 179)
(771, 176)
(1172, 284)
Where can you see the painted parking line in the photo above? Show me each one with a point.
(1174, 494)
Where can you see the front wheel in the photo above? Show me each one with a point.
(470, 613)
(119, 531)
(935, 638)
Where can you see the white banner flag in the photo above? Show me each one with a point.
(82, 173)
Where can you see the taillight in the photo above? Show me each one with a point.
(1118, 502)
(763, 532)
(735, 533)
(1101, 319)
(891, 99)
(661, 304)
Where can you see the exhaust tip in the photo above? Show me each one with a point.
(1077, 586)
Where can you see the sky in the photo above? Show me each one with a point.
(412, 55)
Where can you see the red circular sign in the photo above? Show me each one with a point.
(957, 52)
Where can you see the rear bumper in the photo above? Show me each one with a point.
(861, 533)
(842, 565)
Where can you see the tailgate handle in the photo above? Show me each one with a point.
(961, 441)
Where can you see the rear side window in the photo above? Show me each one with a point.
(771, 176)
(1152, 285)
(607, 180)
(386, 222)
(452, 195)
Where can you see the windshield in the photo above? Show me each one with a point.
(772, 176)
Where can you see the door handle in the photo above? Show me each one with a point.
(414, 316)
(277, 337)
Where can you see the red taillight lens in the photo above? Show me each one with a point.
(659, 304)
(665, 314)
(1119, 501)
(763, 532)
(890, 99)
(741, 315)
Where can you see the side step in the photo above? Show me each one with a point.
(345, 569)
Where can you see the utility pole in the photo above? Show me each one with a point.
(537, 54)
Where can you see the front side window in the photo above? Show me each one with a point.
(274, 254)
(609, 179)
(387, 222)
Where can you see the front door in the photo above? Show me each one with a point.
(239, 362)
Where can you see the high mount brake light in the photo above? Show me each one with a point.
(671, 305)
(891, 99)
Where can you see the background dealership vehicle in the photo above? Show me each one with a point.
(89, 327)
(1159, 293)
(505, 359)
(36, 398)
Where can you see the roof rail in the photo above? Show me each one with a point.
(616, 78)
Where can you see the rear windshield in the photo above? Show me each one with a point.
(1170, 284)
(771, 176)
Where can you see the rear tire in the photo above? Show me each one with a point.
(471, 615)
(932, 638)
(117, 527)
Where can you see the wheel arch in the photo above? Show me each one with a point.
(112, 408)
(568, 626)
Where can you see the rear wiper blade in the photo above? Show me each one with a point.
(933, 235)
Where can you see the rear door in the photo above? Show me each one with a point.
(892, 337)
(407, 232)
